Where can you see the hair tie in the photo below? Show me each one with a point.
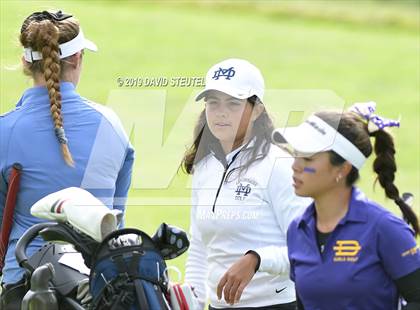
(375, 122)
(40, 16)
(57, 16)
(61, 136)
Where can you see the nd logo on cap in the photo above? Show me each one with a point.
(227, 73)
(247, 82)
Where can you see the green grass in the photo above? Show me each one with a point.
(359, 60)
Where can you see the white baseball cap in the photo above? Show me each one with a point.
(66, 49)
(314, 136)
(236, 77)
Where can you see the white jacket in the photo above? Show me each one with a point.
(251, 212)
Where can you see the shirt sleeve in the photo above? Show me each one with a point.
(397, 247)
(286, 206)
(123, 182)
(196, 267)
(409, 287)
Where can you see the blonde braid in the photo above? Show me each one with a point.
(47, 42)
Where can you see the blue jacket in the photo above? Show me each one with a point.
(100, 148)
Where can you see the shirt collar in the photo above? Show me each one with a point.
(237, 150)
(216, 150)
(355, 213)
(39, 91)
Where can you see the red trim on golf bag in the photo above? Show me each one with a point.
(178, 298)
(7, 222)
(179, 294)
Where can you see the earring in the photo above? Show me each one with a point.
(338, 178)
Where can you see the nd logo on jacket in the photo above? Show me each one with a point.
(242, 191)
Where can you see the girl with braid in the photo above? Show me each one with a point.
(346, 251)
(60, 138)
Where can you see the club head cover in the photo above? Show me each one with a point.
(171, 241)
(80, 209)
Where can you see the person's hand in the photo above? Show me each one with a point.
(237, 278)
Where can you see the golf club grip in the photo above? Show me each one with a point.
(7, 221)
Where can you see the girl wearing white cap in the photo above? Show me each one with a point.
(346, 251)
(242, 197)
(60, 138)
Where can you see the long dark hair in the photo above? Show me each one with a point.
(355, 129)
(261, 131)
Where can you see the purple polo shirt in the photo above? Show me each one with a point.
(366, 252)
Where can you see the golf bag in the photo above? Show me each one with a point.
(128, 272)
(126, 267)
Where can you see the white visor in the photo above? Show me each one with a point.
(315, 136)
(66, 49)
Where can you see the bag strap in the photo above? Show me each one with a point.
(132, 272)
(141, 296)
(7, 221)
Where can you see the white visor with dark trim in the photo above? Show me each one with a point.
(315, 136)
(66, 49)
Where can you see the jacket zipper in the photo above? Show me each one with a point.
(223, 179)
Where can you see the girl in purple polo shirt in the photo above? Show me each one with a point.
(345, 251)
